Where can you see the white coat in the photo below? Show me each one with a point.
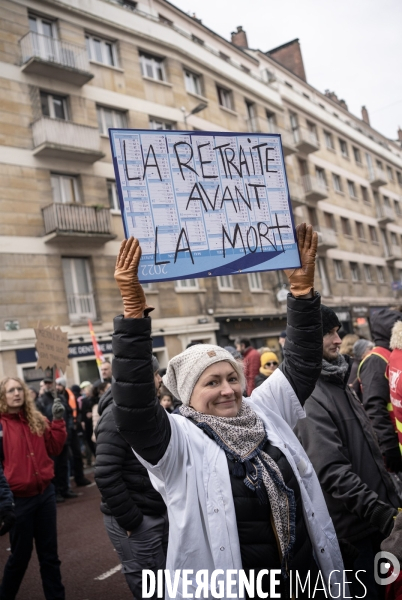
(193, 479)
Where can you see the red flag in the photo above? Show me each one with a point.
(98, 352)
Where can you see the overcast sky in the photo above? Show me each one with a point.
(351, 47)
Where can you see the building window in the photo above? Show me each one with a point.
(352, 189)
(271, 118)
(193, 82)
(329, 221)
(197, 40)
(344, 148)
(251, 116)
(354, 269)
(187, 284)
(312, 216)
(379, 164)
(224, 56)
(312, 128)
(360, 231)
(373, 234)
(41, 26)
(365, 195)
(101, 50)
(390, 173)
(53, 106)
(338, 266)
(368, 274)
(399, 177)
(380, 275)
(225, 97)
(387, 203)
(165, 20)
(329, 140)
(346, 228)
(394, 238)
(357, 155)
(152, 67)
(397, 206)
(113, 196)
(225, 282)
(337, 183)
(320, 174)
(110, 118)
(64, 189)
(254, 282)
(78, 286)
(294, 126)
(157, 124)
(127, 4)
(322, 271)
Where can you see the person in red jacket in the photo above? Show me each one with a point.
(393, 374)
(251, 362)
(29, 442)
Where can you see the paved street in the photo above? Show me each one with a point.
(89, 562)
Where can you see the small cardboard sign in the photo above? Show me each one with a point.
(52, 347)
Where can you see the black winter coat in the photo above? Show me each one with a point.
(145, 424)
(340, 442)
(123, 482)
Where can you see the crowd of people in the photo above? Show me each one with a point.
(247, 459)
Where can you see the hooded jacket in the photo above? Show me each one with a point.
(127, 493)
(340, 442)
(375, 386)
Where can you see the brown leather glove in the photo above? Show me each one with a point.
(302, 280)
(126, 276)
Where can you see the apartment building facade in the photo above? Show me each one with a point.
(71, 69)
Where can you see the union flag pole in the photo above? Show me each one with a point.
(98, 352)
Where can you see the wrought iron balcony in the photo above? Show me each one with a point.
(81, 307)
(327, 239)
(52, 58)
(55, 138)
(68, 222)
(314, 188)
(306, 141)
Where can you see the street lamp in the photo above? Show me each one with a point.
(195, 110)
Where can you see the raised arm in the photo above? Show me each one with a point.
(140, 419)
(303, 346)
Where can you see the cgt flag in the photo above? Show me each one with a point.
(98, 352)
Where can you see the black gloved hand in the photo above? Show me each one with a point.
(382, 517)
(393, 460)
(7, 520)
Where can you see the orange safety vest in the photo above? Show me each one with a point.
(384, 354)
(72, 402)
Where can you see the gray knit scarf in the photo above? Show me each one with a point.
(339, 367)
(243, 438)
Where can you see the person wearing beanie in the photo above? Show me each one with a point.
(375, 387)
(269, 362)
(241, 492)
(340, 442)
(134, 513)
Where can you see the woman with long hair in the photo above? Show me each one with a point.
(240, 490)
(29, 442)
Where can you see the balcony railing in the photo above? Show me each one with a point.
(81, 307)
(327, 238)
(314, 188)
(377, 177)
(77, 220)
(385, 214)
(47, 56)
(306, 141)
(55, 138)
(288, 143)
(296, 194)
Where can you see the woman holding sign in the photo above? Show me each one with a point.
(241, 493)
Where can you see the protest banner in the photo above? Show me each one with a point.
(204, 203)
(52, 348)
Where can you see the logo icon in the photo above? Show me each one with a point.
(383, 562)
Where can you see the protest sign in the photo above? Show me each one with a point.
(52, 348)
(204, 203)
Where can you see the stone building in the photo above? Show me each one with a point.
(69, 70)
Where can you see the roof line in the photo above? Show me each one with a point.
(282, 46)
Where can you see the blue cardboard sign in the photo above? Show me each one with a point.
(204, 203)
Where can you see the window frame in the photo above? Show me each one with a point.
(360, 231)
(194, 77)
(100, 113)
(221, 286)
(368, 273)
(258, 287)
(90, 39)
(337, 183)
(380, 274)
(184, 284)
(321, 175)
(354, 271)
(227, 94)
(338, 269)
(343, 146)
(390, 173)
(346, 227)
(113, 195)
(357, 155)
(62, 178)
(50, 102)
(154, 62)
(352, 189)
(373, 235)
(365, 195)
(329, 138)
(76, 291)
(155, 121)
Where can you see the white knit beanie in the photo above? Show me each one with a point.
(185, 369)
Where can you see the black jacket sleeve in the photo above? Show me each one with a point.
(375, 388)
(303, 347)
(6, 496)
(139, 417)
(111, 451)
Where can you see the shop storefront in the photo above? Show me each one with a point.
(261, 330)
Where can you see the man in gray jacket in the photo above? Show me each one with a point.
(340, 442)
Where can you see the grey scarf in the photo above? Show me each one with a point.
(242, 438)
(339, 367)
